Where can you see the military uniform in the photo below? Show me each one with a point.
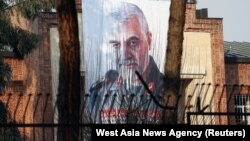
(110, 102)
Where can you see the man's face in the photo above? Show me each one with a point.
(131, 46)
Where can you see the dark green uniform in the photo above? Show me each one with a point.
(110, 102)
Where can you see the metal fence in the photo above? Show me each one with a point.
(215, 118)
(34, 117)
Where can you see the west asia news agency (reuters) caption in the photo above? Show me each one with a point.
(170, 131)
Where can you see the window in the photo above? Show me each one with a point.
(6, 51)
(242, 106)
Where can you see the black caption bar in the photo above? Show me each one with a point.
(163, 132)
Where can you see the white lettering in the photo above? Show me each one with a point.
(129, 133)
(212, 132)
(171, 133)
(179, 134)
(103, 132)
(147, 132)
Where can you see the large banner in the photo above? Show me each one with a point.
(121, 40)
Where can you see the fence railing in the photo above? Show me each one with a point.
(34, 117)
(215, 118)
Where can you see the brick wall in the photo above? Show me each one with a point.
(238, 82)
(238, 74)
(28, 99)
(213, 26)
(32, 75)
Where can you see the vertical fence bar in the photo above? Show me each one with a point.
(111, 106)
(7, 107)
(44, 110)
(100, 115)
(53, 116)
(34, 113)
(82, 115)
(188, 118)
(120, 114)
(16, 108)
(24, 115)
(129, 114)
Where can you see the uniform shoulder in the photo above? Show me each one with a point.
(110, 76)
(96, 86)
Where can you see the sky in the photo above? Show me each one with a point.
(235, 14)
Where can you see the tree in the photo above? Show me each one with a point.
(173, 59)
(69, 74)
(14, 39)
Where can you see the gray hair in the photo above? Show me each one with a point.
(123, 11)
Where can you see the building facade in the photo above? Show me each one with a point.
(212, 80)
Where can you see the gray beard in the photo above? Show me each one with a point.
(129, 79)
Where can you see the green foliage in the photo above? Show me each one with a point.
(5, 75)
(7, 133)
(31, 8)
(3, 113)
(10, 134)
(23, 42)
(3, 5)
